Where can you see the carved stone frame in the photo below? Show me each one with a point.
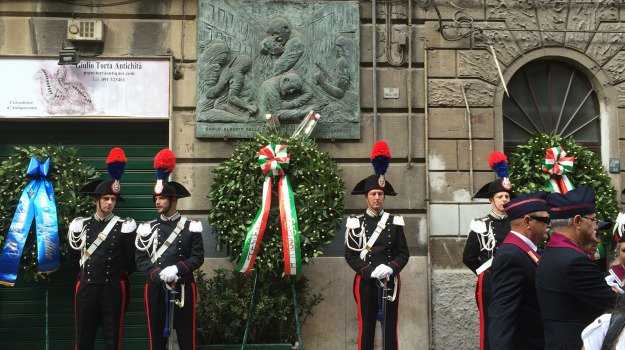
(606, 94)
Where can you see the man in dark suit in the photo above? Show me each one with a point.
(513, 314)
(570, 288)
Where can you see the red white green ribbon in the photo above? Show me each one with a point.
(272, 159)
(557, 164)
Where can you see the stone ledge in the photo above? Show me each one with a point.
(392, 127)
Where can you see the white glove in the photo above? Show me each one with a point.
(619, 225)
(169, 274)
(611, 281)
(382, 271)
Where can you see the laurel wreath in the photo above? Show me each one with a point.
(235, 197)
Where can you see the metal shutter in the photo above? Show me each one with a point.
(24, 322)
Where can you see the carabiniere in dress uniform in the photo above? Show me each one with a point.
(170, 248)
(486, 234)
(105, 242)
(376, 249)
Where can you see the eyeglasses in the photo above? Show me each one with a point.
(543, 219)
(594, 220)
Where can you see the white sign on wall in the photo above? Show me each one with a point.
(107, 88)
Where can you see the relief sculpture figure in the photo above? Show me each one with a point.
(336, 85)
(230, 93)
(282, 45)
(286, 97)
(212, 61)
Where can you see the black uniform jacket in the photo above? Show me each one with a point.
(514, 319)
(473, 256)
(390, 248)
(186, 252)
(114, 257)
(571, 293)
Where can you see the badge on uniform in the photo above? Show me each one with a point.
(381, 181)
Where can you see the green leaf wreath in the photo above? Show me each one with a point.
(68, 174)
(236, 196)
(526, 172)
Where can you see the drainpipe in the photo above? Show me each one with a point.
(375, 67)
(426, 126)
(427, 190)
(409, 83)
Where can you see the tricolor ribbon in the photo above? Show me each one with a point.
(272, 160)
(557, 164)
(36, 201)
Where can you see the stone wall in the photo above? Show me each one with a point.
(519, 32)
(444, 204)
(168, 27)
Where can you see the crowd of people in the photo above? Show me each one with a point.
(539, 285)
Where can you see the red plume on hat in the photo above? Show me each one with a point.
(115, 165)
(380, 157)
(498, 161)
(164, 164)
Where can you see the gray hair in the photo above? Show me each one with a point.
(557, 223)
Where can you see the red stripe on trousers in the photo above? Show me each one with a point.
(194, 290)
(76, 314)
(357, 279)
(146, 305)
(122, 290)
(479, 295)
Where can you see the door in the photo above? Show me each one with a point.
(35, 315)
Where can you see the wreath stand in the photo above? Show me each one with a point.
(299, 344)
(305, 128)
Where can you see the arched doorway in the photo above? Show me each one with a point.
(553, 97)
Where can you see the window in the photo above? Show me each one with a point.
(551, 97)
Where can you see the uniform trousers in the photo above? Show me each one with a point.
(155, 300)
(368, 301)
(99, 305)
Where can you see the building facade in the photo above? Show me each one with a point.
(439, 101)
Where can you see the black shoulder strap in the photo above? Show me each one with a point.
(617, 322)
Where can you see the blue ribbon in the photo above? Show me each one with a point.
(36, 201)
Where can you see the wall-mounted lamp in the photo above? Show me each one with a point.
(68, 55)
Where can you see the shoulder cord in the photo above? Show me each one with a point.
(487, 239)
(143, 242)
(77, 240)
(357, 238)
